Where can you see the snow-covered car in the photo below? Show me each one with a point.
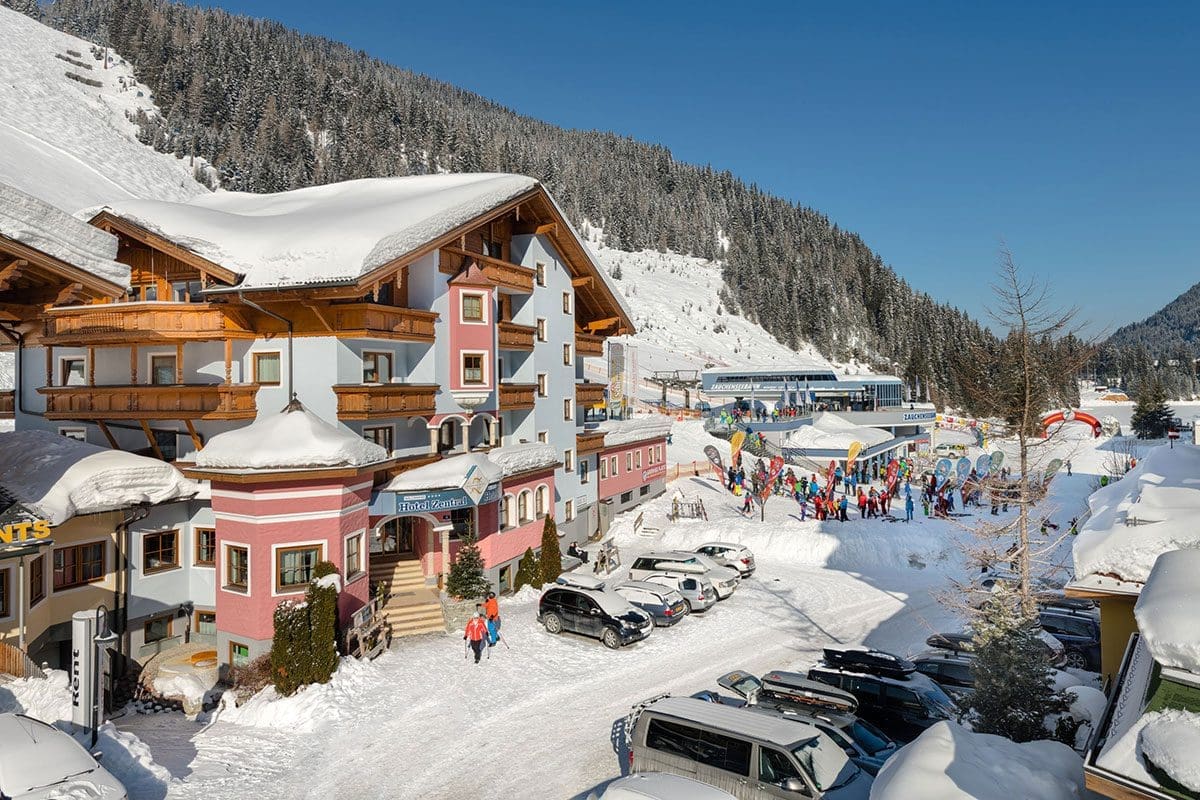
(664, 604)
(697, 592)
(40, 762)
(582, 604)
(723, 579)
(659, 786)
(729, 555)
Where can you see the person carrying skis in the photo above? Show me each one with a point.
(476, 635)
(491, 610)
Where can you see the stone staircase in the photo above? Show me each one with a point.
(411, 606)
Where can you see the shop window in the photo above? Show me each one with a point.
(78, 565)
(206, 547)
(160, 551)
(266, 369)
(294, 566)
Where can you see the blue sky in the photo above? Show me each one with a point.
(935, 130)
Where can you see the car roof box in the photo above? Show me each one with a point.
(679, 566)
(796, 688)
(583, 581)
(959, 643)
(875, 662)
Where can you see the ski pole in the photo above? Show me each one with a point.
(504, 642)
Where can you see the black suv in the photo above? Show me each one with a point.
(891, 693)
(598, 613)
(1079, 632)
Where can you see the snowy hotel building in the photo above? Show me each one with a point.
(441, 319)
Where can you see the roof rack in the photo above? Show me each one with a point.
(583, 581)
(874, 662)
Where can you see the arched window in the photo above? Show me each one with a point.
(540, 505)
(523, 506)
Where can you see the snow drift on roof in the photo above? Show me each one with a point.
(1170, 740)
(58, 478)
(1168, 610)
(297, 439)
(1152, 510)
(831, 432)
(949, 762)
(638, 429)
(449, 473)
(517, 458)
(336, 232)
(40, 225)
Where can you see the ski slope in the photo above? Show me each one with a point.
(69, 143)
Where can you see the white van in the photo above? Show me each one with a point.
(40, 762)
(724, 579)
(752, 756)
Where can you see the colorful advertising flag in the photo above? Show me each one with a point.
(714, 458)
(963, 468)
(890, 477)
(773, 472)
(852, 453)
(829, 479)
(735, 445)
(616, 380)
(997, 461)
(983, 465)
(942, 471)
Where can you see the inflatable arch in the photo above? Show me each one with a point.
(1070, 415)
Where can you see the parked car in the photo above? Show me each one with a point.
(891, 693)
(581, 604)
(1079, 633)
(39, 762)
(747, 754)
(950, 669)
(964, 642)
(697, 591)
(730, 555)
(659, 786)
(664, 604)
(831, 710)
(984, 584)
(723, 579)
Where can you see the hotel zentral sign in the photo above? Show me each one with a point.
(391, 503)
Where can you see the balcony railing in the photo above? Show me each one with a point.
(587, 344)
(589, 394)
(516, 337)
(122, 323)
(516, 396)
(180, 401)
(377, 401)
(506, 276)
(390, 322)
(589, 442)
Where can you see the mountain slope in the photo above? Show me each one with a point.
(72, 143)
(1172, 329)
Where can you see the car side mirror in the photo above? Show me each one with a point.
(98, 754)
(595, 612)
(796, 785)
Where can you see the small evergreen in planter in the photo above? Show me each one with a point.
(466, 580)
(322, 604)
(529, 571)
(551, 554)
(290, 648)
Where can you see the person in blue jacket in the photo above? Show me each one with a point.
(908, 506)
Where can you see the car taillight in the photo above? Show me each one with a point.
(631, 758)
(700, 596)
(670, 612)
(746, 561)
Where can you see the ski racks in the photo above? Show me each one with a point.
(874, 662)
(631, 718)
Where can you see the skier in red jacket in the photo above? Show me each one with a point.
(476, 635)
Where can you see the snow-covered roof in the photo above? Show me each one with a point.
(950, 762)
(1170, 740)
(1151, 510)
(43, 227)
(449, 473)
(291, 439)
(637, 429)
(1168, 610)
(58, 478)
(831, 432)
(323, 234)
(516, 458)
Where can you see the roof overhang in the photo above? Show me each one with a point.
(106, 220)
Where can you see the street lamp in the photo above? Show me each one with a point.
(103, 639)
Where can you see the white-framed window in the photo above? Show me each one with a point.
(78, 434)
(380, 435)
(543, 437)
(569, 510)
(541, 329)
(235, 567)
(543, 388)
(355, 555)
(72, 370)
(162, 368)
(583, 471)
(629, 461)
(376, 366)
(539, 270)
(612, 466)
(474, 368)
(638, 458)
(658, 453)
(603, 467)
(266, 367)
(567, 353)
(472, 308)
(507, 509)
(541, 501)
(568, 409)
(566, 302)
(568, 460)
(523, 507)
(293, 565)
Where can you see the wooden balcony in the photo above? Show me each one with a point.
(506, 276)
(382, 400)
(588, 345)
(516, 337)
(589, 394)
(589, 442)
(213, 401)
(132, 323)
(517, 396)
(8, 404)
(371, 320)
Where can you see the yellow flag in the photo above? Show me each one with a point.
(735, 445)
(852, 453)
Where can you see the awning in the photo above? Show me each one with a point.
(462, 481)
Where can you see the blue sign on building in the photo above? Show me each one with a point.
(387, 504)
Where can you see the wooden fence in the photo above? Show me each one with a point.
(13, 661)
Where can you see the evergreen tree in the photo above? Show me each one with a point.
(1014, 690)
(321, 605)
(551, 565)
(1152, 416)
(28, 7)
(529, 571)
(290, 647)
(466, 580)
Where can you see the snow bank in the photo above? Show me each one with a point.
(186, 685)
(313, 706)
(1087, 708)
(1150, 511)
(831, 432)
(517, 458)
(656, 426)
(57, 477)
(43, 227)
(1171, 740)
(1166, 610)
(949, 762)
(449, 473)
(46, 699)
(296, 439)
(336, 232)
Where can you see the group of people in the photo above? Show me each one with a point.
(872, 502)
(483, 628)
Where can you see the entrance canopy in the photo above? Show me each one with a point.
(462, 481)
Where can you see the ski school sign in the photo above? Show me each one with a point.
(393, 503)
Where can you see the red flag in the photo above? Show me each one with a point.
(829, 479)
(773, 472)
(893, 471)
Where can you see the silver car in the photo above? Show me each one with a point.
(698, 593)
(729, 555)
(663, 603)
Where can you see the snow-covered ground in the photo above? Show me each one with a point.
(68, 142)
